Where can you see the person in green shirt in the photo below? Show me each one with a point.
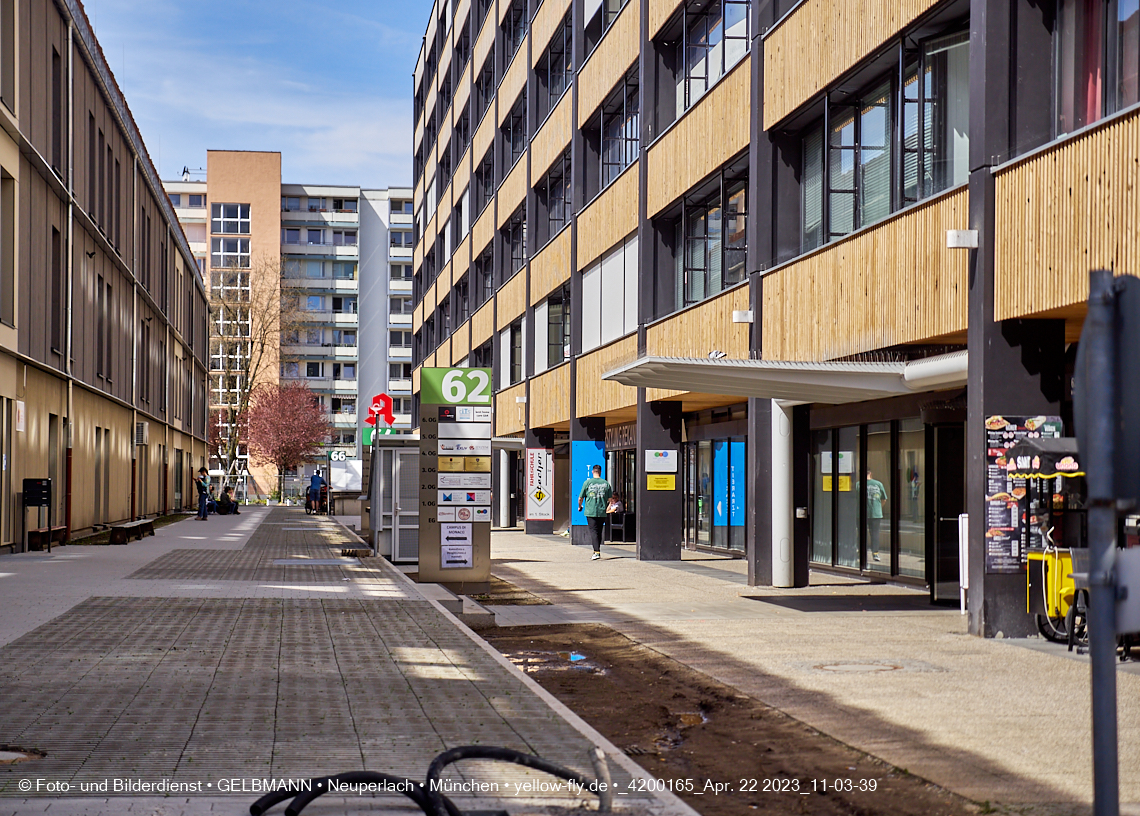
(876, 498)
(592, 499)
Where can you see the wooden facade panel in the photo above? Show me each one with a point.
(460, 343)
(1063, 212)
(442, 285)
(546, 22)
(514, 82)
(709, 134)
(512, 191)
(418, 254)
(483, 324)
(418, 134)
(441, 141)
(461, 260)
(510, 415)
(512, 300)
(609, 218)
(838, 34)
(430, 165)
(553, 137)
(429, 97)
(483, 231)
(462, 90)
(659, 13)
(597, 396)
(703, 328)
(617, 51)
(893, 283)
(484, 138)
(550, 267)
(461, 9)
(483, 43)
(652, 394)
(416, 381)
(550, 398)
(462, 176)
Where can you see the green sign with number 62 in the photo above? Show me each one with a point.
(455, 386)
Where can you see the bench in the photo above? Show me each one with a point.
(40, 537)
(122, 533)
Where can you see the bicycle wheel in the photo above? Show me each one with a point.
(1053, 629)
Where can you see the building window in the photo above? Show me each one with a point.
(175, 200)
(512, 342)
(229, 252)
(484, 277)
(402, 206)
(402, 239)
(712, 238)
(609, 296)
(554, 198)
(400, 272)
(514, 242)
(400, 305)
(197, 202)
(313, 370)
(344, 371)
(462, 49)
(344, 305)
(315, 237)
(344, 205)
(399, 371)
(443, 318)
(400, 339)
(229, 219)
(484, 87)
(290, 203)
(514, 134)
(344, 270)
(314, 303)
(344, 338)
(462, 300)
(558, 327)
(344, 237)
(462, 132)
(514, 29)
(290, 236)
(600, 15)
(290, 369)
(621, 131)
(484, 186)
(555, 69)
(714, 38)
(849, 177)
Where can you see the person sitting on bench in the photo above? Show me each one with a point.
(226, 504)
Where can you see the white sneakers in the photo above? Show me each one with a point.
(596, 557)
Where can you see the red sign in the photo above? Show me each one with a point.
(381, 407)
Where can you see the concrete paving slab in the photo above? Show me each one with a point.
(872, 665)
(188, 665)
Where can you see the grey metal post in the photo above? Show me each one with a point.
(1099, 333)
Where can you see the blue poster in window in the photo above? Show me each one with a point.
(737, 495)
(720, 482)
(583, 457)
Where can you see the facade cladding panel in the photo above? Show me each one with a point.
(734, 200)
(117, 433)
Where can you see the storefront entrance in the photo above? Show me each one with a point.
(715, 497)
(874, 490)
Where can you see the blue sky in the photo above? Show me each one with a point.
(326, 83)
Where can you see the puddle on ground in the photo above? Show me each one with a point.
(536, 661)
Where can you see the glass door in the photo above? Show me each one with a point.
(823, 481)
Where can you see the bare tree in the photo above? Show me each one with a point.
(250, 309)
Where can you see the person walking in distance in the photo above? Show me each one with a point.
(202, 483)
(592, 499)
(876, 498)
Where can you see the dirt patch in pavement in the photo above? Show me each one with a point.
(503, 593)
(693, 733)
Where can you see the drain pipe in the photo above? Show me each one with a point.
(68, 454)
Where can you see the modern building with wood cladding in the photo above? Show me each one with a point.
(102, 308)
(812, 247)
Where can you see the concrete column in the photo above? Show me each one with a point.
(783, 573)
(758, 534)
(660, 514)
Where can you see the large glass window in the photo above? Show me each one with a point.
(555, 69)
(874, 489)
(912, 480)
(554, 195)
(823, 486)
(1098, 57)
(847, 515)
(849, 177)
(226, 252)
(714, 38)
(558, 327)
(514, 29)
(712, 241)
(621, 130)
(229, 219)
(514, 134)
(514, 242)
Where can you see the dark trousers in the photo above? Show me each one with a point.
(875, 525)
(597, 526)
(201, 505)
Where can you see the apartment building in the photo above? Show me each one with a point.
(808, 246)
(305, 250)
(386, 244)
(102, 309)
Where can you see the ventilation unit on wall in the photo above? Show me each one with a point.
(142, 433)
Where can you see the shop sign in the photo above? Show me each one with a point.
(621, 437)
(539, 484)
(660, 481)
(661, 461)
(1004, 521)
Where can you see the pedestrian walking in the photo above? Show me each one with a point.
(203, 485)
(876, 497)
(593, 499)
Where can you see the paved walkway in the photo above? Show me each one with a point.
(216, 655)
(874, 666)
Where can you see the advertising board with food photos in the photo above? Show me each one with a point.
(1005, 550)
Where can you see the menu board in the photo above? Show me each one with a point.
(1005, 523)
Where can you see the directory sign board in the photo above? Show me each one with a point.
(455, 477)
